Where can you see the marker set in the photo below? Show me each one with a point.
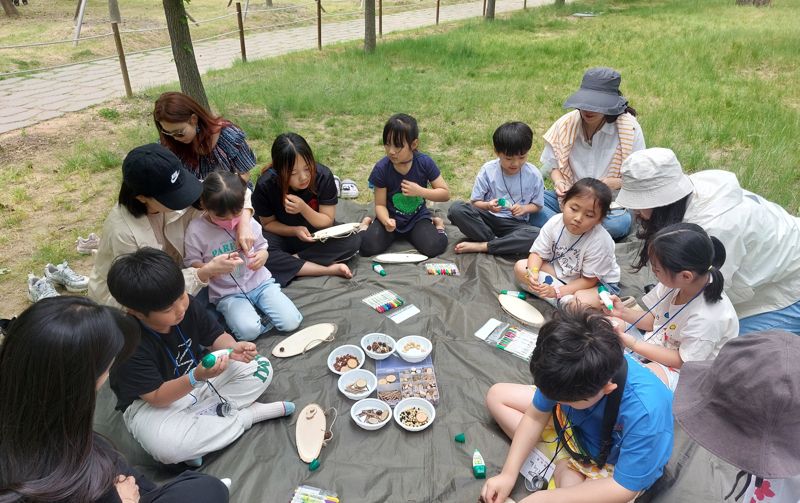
(517, 341)
(308, 494)
(442, 269)
(384, 301)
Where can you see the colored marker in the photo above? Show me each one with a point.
(514, 293)
(605, 297)
(505, 204)
(378, 268)
(210, 359)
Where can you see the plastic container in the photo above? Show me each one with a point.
(419, 403)
(414, 355)
(370, 403)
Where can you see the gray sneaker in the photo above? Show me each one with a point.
(40, 288)
(61, 274)
(89, 245)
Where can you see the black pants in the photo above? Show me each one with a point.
(423, 236)
(505, 236)
(284, 266)
(188, 486)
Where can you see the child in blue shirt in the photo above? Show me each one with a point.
(401, 180)
(506, 191)
(578, 369)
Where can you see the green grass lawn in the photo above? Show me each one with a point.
(715, 82)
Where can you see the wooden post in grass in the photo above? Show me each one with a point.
(437, 11)
(380, 18)
(489, 10)
(559, 3)
(79, 22)
(319, 25)
(369, 26)
(9, 8)
(113, 11)
(123, 66)
(524, 4)
(483, 10)
(241, 31)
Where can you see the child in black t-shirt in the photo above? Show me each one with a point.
(175, 407)
(401, 180)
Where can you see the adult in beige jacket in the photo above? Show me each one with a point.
(153, 209)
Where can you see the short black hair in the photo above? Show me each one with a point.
(399, 130)
(594, 188)
(577, 353)
(146, 280)
(127, 198)
(513, 138)
(223, 193)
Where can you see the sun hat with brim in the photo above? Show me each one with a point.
(652, 178)
(599, 92)
(154, 171)
(743, 406)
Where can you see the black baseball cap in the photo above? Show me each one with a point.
(154, 171)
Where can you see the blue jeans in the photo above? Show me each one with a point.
(787, 319)
(617, 222)
(245, 322)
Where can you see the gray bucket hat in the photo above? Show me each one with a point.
(599, 92)
(652, 178)
(743, 406)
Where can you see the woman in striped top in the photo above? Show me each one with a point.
(204, 143)
(591, 141)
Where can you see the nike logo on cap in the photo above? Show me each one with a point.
(174, 176)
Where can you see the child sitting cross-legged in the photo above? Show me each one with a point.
(612, 416)
(174, 406)
(507, 191)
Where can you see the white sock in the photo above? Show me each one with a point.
(264, 411)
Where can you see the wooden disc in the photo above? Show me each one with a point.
(521, 310)
(399, 258)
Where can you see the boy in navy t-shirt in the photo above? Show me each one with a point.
(401, 180)
(507, 191)
(579, 369)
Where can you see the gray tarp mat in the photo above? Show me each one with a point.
(388, 465)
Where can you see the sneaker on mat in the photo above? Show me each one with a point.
(88, 245)
(338, 182)
(40, 288)
(61, 274)
(349, 189)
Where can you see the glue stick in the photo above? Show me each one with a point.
(605, 297)
(504, 203)
(378, 268)
(210, 359)
(514, 293)
(478, 465)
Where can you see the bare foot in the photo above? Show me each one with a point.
(364, 224)
(438, 223)
(340, 270)
(472, 247)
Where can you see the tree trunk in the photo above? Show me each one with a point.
(489, 10)
(9, 8)
(183, 51)
(113, 12)
(559, 3)
(369, 25)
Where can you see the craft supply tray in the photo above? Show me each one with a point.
(399, 379)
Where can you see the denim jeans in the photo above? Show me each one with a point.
(617, 222)
(245, 322)
(787, 319)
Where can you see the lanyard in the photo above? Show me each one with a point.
(555, 246)
(510, 196)
(672, 317)
(169, 353)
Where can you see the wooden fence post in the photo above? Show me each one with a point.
(380, 18)
(123, 66)
(437, 11)
(241, 31)
(319, 25)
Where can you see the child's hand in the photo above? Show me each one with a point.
(244, 352)
(497, 489)
(244, 236)
(127, 488)
(204, 374)
(518, 210)
(390, 225)
(302, 233)
(494, 207)
(224, 263)
(544, 290)
(533, 278)
(410, 188)
(619, 325)
(258, 260)
(294, 204)
(619, 307)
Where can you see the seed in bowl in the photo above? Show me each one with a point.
(380, 348)
(414, 417)
(412, 345)
(373, 416)
(359, 386)
(346, 362)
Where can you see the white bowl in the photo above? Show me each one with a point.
(376, 337)
(347, 349)
(414, 355)
(370, 403)
(354, 375)
(420, 403)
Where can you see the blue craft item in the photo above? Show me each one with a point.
(548, 280)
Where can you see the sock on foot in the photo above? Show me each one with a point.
(227, 483)
(264, 411)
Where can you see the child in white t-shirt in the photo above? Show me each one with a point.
(689, 317)
(573, 253)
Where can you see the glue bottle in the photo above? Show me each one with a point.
(210, 359)
(378, 268)
(514, 293)
(478, 465)
(504, 203)
(605, 297)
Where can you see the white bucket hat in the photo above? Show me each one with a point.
(652, 178)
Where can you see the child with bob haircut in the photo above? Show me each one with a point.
(176, 408)
(574, 249)
(249, 289)
(489, 226)
(688, 313)
(401, 180)
(612, 416)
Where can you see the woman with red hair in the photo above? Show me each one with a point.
(203, 142)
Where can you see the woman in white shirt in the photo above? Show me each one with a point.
(591, 141)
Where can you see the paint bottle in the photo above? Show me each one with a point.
(504, 203)
(378, 268)
(210, 359)
(605, 297)
(478, 465)
(514, 293)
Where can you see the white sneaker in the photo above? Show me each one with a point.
(349, 189)
(88, 245)
(227, 483)
(40, 288)
(61, 274)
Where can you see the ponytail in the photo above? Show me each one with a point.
(713, 291)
